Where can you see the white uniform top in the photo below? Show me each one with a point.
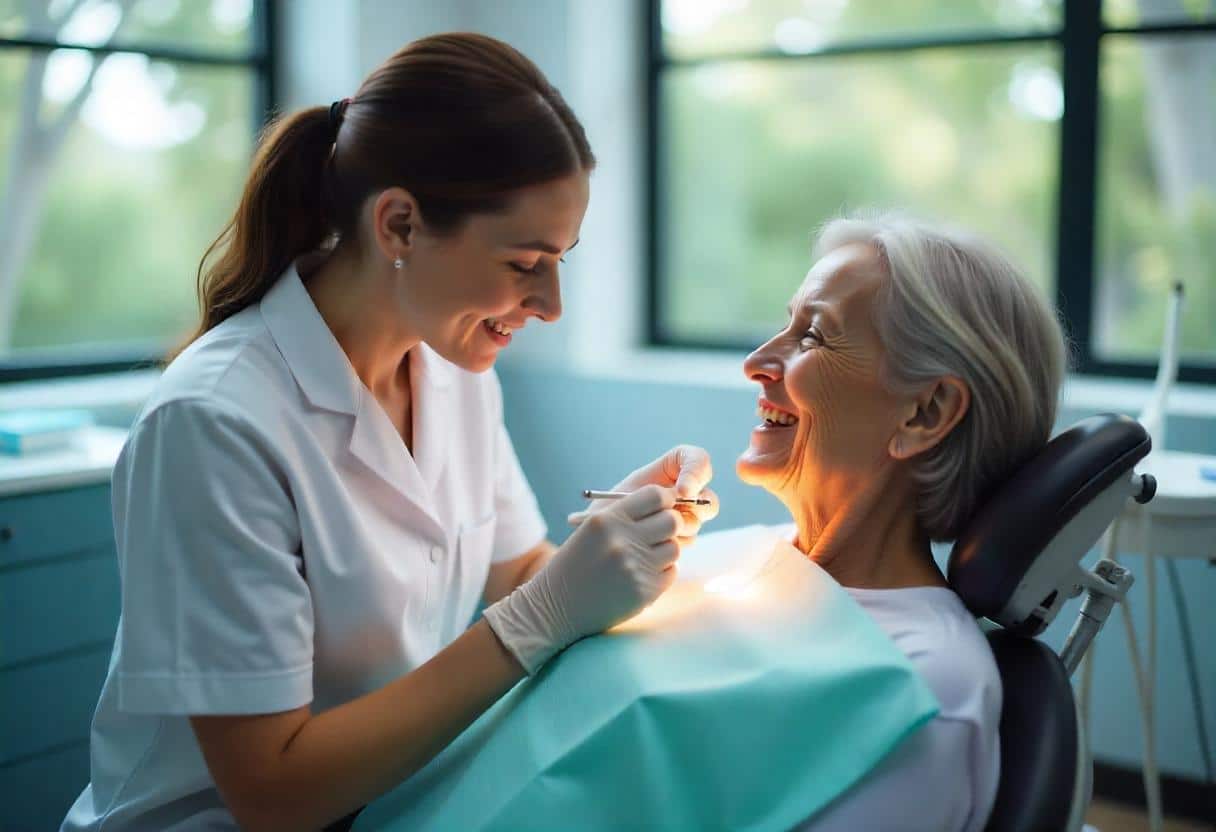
(944, 777)
(279, 546)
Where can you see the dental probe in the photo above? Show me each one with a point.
(616, 495)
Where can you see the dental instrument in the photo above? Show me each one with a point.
(589, 494)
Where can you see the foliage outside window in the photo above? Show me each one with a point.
(769, 117)
(126, 128)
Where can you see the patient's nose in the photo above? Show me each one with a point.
(763, 366)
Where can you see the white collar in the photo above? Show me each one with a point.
(313, 354)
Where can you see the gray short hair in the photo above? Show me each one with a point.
(954, 305)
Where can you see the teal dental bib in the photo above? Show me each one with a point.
(749, 696)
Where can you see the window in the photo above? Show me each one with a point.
(126, 128)
(1076, 134)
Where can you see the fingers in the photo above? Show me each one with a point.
(692, 516)
(647, 501)
(668, 577)
(664, 555)
(697, 515)
(660, 527)
(707, 512)
(684, 467)
(690, 524)
(692, 469)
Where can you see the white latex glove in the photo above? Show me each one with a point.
(610, 568)
(687, 469)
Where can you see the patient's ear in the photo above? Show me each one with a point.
(930, 417)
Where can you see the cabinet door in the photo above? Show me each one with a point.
(39, 791)
(59, 605)
(54, 524)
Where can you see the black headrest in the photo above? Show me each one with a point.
(1038, 737)
(1017, 522)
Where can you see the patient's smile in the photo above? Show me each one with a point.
(773, 416)
(772, 441)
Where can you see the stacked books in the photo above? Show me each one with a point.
(37, 431)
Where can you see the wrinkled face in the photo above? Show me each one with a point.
(468, 291)
(825, 414)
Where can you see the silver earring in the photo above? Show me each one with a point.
(398, 263)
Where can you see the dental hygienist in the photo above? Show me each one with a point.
(320, 490)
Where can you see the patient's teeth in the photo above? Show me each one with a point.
(776, 417)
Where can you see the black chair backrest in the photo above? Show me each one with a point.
(1014, 526)
(1038, 737)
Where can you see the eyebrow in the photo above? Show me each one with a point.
(541, 245)
(817, 306)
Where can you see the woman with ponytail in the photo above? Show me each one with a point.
(320, 491)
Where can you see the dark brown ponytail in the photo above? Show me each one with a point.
(460, 120)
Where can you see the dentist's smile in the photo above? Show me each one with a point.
(497, 331)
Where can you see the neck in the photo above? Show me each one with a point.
(862, 530)
(360, 308)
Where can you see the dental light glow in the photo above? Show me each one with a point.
(735, 578)
(733, 585)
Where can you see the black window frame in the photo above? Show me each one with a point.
(66, 362)
(1079, 39)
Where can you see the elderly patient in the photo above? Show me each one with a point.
(918, 370)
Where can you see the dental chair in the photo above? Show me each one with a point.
(1016, 565)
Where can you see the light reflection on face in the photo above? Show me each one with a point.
(822, 373)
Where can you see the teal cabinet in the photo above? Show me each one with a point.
(59, 605)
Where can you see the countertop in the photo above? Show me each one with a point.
(89, 461)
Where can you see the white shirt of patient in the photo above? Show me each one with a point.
(944, 777)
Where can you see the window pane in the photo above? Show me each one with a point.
(757, 155)
(1156, 194)
(101, 231)
(693, 28)
(224, 26)
(1149, 12)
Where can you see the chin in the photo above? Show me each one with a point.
(479, 365)
(754, 472)
(469, 361)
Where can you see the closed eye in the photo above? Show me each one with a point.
(534, 268)
(810, 338)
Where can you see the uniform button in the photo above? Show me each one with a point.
(436, 554)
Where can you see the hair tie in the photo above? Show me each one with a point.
(337, 113)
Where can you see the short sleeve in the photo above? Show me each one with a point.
(520, 526)
(216, 614)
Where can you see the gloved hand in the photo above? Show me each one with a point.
(611, 567)
(687, 469)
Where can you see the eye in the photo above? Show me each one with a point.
(810, 339)
(535, 268)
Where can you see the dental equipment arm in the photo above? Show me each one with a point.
(1153, 415)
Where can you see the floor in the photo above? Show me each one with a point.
(1116, 817)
